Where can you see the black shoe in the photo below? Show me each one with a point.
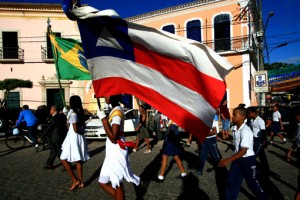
(159, 180)
(198, 173)
(48, 167)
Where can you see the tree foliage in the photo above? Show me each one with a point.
(278, 65)
(10, 84)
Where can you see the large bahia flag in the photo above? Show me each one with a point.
(181, 78)
(69, 59)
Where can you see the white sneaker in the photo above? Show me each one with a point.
(147, 151)
(134, 150)
(284, 140)
(183, 175)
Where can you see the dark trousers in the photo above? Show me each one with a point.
(260, 152)
(257, 146)
(32, 133)
(239, 169)
(208, 147)
(54, 151)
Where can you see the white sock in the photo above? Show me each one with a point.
(183, 174)
(160, 177)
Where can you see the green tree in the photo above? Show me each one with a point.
(277, 65)
(10, 84)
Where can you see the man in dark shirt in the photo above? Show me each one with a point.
(57, 131)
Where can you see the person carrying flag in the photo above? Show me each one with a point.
(116, 165)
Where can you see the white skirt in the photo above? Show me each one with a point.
(116, 166)
(74, 147)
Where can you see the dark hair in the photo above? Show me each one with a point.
(242, 105)
(242, 111)
(25, 107)
(115, 100)
(54, 107)
(252, 109)
(76, 106)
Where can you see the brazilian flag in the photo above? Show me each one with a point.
(69, 59)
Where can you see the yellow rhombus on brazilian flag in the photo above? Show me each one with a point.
(69, 59)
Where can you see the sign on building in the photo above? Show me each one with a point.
(261, 81)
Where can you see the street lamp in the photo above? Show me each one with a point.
(271, 14)
(278, 46)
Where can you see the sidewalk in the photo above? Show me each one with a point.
(22, 175)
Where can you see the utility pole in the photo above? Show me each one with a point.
(260, 41)
(260, 37)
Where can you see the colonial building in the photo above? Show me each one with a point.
(25, 53)
(25, 49)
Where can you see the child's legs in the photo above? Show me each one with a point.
(120, 194)
(279, 135)
(147, 143)
(203, 154)
(179, 163)
(69, 170)
(108, 188)
(190, 138)
(164, 162)
(137, 142)
(79, 168)
(249, 171)
(234, 181)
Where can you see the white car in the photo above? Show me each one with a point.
(95, 130)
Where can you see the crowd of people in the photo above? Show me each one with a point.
(248, 131)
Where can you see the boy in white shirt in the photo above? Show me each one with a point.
(276, 125)
(243, 161)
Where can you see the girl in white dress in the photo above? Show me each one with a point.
(116, 166)
(74, 147)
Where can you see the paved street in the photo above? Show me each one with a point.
(22, 175)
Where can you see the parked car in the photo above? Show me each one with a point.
(294, 103)
(95, 130)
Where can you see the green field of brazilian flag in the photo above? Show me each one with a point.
(69, 59)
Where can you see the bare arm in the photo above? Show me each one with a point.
(112, 132)
(141, 123)
(289, 153)
(212, 132)
(239, 154)
(281, 125)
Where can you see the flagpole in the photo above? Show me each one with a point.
(55, 60)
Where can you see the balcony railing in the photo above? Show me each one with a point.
(11, 54)
(228, 44)
(47, 54)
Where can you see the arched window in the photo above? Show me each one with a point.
(193, 29)
(169, 28)
(222, 32)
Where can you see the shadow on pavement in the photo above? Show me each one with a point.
(10, 151)
(191, 190)
(149, 174)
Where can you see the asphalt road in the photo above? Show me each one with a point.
(22, 175)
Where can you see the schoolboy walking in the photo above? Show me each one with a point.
(276, 125)
(243, 161)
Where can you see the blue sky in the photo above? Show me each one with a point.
(283, 27)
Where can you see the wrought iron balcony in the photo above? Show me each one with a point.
(11, 54)
(228, 44)
(47, 54)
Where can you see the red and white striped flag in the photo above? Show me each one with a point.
(179, 77)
